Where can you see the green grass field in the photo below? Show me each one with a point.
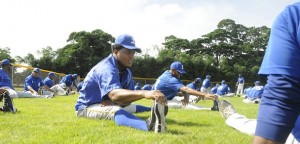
(53, 121)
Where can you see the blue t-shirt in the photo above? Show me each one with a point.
(214, 90)
(101, 79)
(281, 64)
(206, 83)
(246, 90)
(48, 82)
(168, 85)
(146, 87)
(283, 52)
(255, 92)
(68, 80)
(79, 86)
(194, 86)
(34, 82)
(222, 89)
(5, 79)
(241, 80)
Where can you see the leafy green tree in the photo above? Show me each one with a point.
(84, 51)
(47, 58)
(31, 60)
(177, 44)
(5, 54)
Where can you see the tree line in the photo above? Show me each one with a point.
(227, 51)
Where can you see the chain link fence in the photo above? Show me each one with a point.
(20, 72)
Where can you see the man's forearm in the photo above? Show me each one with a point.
(125, 96)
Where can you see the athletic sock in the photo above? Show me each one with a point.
(124, 118)
(140, 108)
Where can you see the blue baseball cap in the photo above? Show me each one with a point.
(208, 76)
(198, 80)
(177, 66)
(5, 62)
(51, 74)
(257, 82)
(75, 76)
(127, 41)
(223, 81)
(36, 70)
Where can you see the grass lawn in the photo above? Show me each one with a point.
(53, 120)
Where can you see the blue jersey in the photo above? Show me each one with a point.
(101, 79)
(34, 82)
(48, 82)
(146, 87)
(68, 80)
(214, 90)
(168, 85)
(281, 96)
(284, 42)
(255, 92)
(222, 89)
(194, 86)
(240, 80)
(79, 86)
(206, 83)
(5, 79)
(246, 90)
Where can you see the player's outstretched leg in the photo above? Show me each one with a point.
(226, 109)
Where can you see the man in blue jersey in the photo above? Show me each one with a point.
(5, 80)
(48, 81)
(33, 86)
(280, 102)
(50, 88)
(254, 94)
(67, 82)
(214, 89)
(146, 87)
(108, 91)
(170, 85)
(224, 90)
(33, 82)
(240, 85)
(196, 84)
(205, 88)
(7, 91)
(246, 91)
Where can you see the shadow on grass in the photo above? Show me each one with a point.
(171, 121)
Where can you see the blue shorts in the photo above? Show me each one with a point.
(279, 108)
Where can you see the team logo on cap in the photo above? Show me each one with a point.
(132, 41)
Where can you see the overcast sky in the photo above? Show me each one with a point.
(30, 25)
